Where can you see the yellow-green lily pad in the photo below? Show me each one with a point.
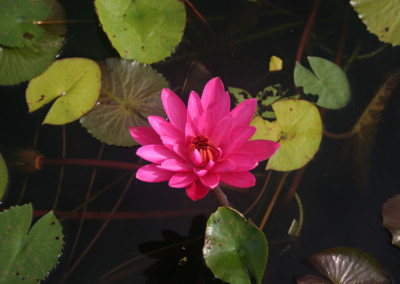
(266, 130)
(74, 83)
(381, 18)
(143, 30)
(301, 134)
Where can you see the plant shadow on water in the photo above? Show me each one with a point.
(148, 239)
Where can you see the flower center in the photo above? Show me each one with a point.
(205, 147)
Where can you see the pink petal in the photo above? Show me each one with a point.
(204, 170)
(222, 106)
(145, 135)
(176, 145)
(155, 153)
(206, 123)
(259, 149)
(222, 130)
(195, 109)
(210, 180)
(196, 190)
(243, 113)
(213, 89)
(152, 173)
(238, 179)
(174, 108)
(191, 131)
(243, 161)
(176, 166)
(238, 137)
(163, 127)
(224, 166)
(196, 158)
(180, 180)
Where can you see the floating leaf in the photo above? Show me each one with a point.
(239, 95)
(131, 92)
(234, 247)
(3, 176)
(344, 265)
(329, 82)
(28, 258)
(16, 21)
(381, 18)
(301, 134)
(265, 130)
(144, 30)
(275, 64)
(391, 218)
(75, 83)
(365, 131)
(22, 64)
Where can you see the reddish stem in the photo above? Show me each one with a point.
(89, 162)
(306, 30)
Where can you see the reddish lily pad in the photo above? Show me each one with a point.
(27, 257)
(234, 247)
(131, 92)
(343, 265)
(301, 133)
(75, 83)
(143, 30)
(391, 218)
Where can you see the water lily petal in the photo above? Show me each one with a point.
(174, 108)
(243, 161)
(156, 153)
(222, 106)
(195, 108)
(213, 89)
(163, 127)
(145, 135)
(204, 170)
(197, 190)
(259, 149)
(243, 113)
(180, 180)
(152, 173)
(238, 179)
(206, 123)
(222, 130)
(176, 145)
(224, 166)
(195, 157)
(238, 137)
(211, 179)
(176, 166)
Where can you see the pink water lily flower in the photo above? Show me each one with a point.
(203, 144)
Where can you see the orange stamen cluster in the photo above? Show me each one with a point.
(204, 145)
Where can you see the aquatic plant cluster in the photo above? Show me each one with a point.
(227, 139)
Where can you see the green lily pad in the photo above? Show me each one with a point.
(329, 82)
(343, 265)
(75, 83)
(16, 21)
(234, 247)
(301, 134)
(266, 130)
(28, 257)
(381, 18)
(131, 92)
(3, 176)
(391, 218)
(144, 30)
(22, 64)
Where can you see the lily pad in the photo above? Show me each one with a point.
(234, 247)
(345, 265)
(3, 176)
(144, 30)
(381, 18)
(275, 63)
(328, 81)
(266, 130)
(391, 218)
(22, 64)
(301, 133)
(75, 83)
(28, 257)
(131, 92)
(16, 21)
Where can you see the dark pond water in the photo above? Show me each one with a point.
(238, 50)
